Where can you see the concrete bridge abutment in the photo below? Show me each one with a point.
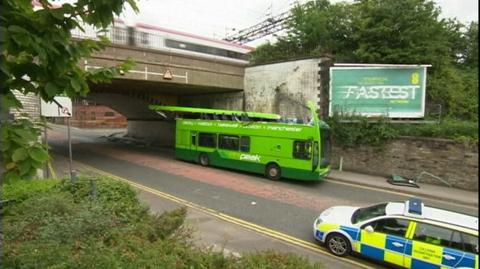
(160, 133)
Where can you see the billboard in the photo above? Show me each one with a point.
(395, 91)
(51, 109)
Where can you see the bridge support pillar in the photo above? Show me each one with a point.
(160, 133)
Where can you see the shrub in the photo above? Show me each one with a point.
(448, 129)
(62, 225)
(275, 260)
(354, 131)
(20, 190)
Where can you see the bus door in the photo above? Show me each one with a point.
(193, 140)
(315, 156)
(302, 149)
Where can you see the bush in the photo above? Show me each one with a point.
(57, 224)
(354, 131)
(448, 129)
(20, 190)
(275, 260)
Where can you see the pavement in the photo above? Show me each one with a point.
(442, 193)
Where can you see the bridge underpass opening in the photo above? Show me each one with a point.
(131, 98)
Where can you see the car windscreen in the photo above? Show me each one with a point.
(366, 213)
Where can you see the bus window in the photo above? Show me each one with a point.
(245, 144)
(207, 140)
(302, 150)
(230, 142)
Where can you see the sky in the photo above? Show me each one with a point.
(218, 18)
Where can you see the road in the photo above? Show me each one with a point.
(285, 206)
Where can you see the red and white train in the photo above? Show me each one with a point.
(159, 38)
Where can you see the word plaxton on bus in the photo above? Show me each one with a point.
(252, 141)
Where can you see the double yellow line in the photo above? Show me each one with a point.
(251, 226)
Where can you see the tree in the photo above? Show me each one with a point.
(408, 31)
(316, 28)
(39, 56)
(470, 54)
(319, 27)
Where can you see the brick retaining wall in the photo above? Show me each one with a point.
(452, 161)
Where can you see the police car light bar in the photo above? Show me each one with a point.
(414, 206)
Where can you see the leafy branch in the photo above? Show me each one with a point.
(40, 56)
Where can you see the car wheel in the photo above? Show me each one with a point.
(203, 159)
(338, 245)
(273, 172)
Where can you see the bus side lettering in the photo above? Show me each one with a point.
(248, 157)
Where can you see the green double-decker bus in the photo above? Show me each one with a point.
(254, 142)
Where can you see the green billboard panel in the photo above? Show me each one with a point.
(390, 91)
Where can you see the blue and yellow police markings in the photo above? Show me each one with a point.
(351, 231)
(384, 247)
(402, 251)
(372, 244)
(426, 255)
(396, 250)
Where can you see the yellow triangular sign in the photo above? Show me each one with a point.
(168, 74)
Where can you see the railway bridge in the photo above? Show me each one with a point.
(171, 68)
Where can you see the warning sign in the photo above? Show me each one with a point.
(52, 109)
(168, 75)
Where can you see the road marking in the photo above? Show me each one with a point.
(251, 226)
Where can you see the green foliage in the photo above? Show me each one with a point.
(456, 90)
(274, 260)
(39, 56)
(20, 190)
(388, 31)
(21, 149)
(470, 48)
(355, 131)
(465, 131)
(319, 28)
(61, 226)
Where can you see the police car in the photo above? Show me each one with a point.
(407, 234)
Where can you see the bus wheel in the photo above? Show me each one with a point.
(273, 172)
(203, 159)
